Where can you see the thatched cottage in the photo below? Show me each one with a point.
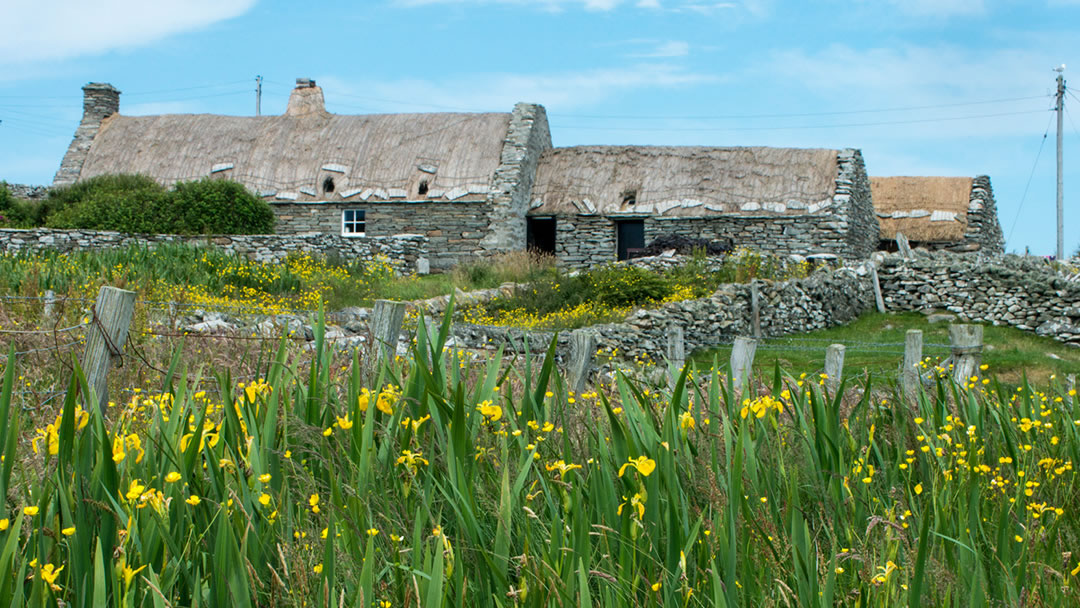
(953, 213)
(603, 202)
(461, 179)
(476, 184)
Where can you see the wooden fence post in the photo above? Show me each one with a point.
(909, 375)
(50, 305)
(110, 319)
(386, 322)
(755, 309)
(878, 299)
(676, 350)
(966, 343)
(742, 358)
(582, 349)
(834, 365)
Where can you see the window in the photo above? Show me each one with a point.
(352, 222)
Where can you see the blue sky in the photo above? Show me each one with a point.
(922, 87)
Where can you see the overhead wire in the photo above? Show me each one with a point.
(798, 127)
(1030, 176)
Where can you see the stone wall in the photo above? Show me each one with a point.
(403, 250)
(100, 101)
(983, 231)
(1028, 293)
(527, 137)
(28, 192)
(453, 229)
(854, 206)
(846, 229)
(825, 299)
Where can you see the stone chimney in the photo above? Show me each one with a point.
(306, 98)
(100, 100)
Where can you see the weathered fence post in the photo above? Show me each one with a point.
(903, 246)
(834, 365)
(742, 358)
(110, 319)
(755, 309)
(909, 375)
(878, 299)
(50, 304)
(582, 349)
(676, 350)
(386, 322)
(966, 343)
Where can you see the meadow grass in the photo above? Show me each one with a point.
(875, 345)
(448, 479)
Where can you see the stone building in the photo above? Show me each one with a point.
(483, 183)
(462, 180)
(951, 213)
(594, 203)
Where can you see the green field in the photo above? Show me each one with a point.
(874, 344)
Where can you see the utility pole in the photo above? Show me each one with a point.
(1060, 196)
(258, 94)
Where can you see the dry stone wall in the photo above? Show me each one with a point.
(403, 251)
(28, 192)
(826, 298)
(1028, 293)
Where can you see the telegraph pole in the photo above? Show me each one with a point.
(258, 95)
(1060, 196)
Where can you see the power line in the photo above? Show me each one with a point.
(203, 86)
(801, 127)
(806, 114)
(1026, 187)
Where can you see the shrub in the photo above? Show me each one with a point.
(136, 203)
(220, 207)
(127, 203)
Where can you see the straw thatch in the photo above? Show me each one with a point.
(925, 209)
(683, 181)
(379, 156)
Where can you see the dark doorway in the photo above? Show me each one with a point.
(629, 238)
(540, 234)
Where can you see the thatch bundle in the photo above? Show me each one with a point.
(908, 205)
(684, 180)
(299, 152)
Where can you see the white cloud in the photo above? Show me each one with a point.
(499, 92)
(44, 30)
(756, 8)
(648, 4)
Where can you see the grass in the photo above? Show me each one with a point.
(1011, 352)
(441, 479)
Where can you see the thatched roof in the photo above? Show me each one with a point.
(925, 209)
(289, 157)
(683, 180)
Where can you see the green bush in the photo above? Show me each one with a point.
(138, 204)
(127, 203)
(218, 206)
(14, 212)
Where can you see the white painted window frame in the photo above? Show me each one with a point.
(353, 221)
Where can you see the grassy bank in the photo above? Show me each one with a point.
(874, 344)
(444, 480)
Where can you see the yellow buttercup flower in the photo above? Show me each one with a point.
(30, 511)
(344, 423)
(172, 477)
(68, 531)
(264, 478)
(193, 500)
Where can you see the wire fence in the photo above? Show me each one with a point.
(164, 326)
